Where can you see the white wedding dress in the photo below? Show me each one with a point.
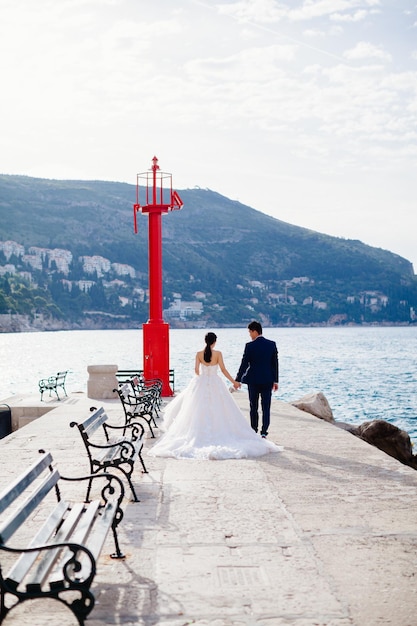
(204, 422)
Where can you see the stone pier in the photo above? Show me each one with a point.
(321, 534)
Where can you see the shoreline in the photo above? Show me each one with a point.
(24, 323)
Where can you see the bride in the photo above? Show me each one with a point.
(204, 421)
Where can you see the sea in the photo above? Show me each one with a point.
(366, 373)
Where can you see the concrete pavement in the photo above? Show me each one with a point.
(321, 534)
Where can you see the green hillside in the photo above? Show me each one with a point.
(242, 263)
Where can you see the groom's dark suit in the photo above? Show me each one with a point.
(259, 370)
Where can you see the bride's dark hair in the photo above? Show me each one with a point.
(210, 338)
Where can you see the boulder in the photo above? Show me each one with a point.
(379, 433)
(316, 404)
(350, 428)
(389, 439)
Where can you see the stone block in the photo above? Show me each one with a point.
(101, 382)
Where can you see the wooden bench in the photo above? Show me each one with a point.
(53, 383)
(63, 540)
(105, 452)
(137, 405)
(124, 376)
(153, 387)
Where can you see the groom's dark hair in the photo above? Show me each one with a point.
(255, 326)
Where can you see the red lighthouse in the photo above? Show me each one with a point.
(158, 198)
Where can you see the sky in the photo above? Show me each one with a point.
(305, 110)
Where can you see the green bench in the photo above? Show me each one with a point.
(53, 383)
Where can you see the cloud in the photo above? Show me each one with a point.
(269, 11)
(357, 16)
(313, 33)
(253, 10)
(334, 9)
(366, 50)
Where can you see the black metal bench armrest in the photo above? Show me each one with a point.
(69, 568)
(107, 490)
(134, 426)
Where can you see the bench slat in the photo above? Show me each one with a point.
(106, 455)
(38, 576)
(93, 422)
(25, 562)
(110, 454)
(28, 506)
(96, 537)
(80, 535)
(12, 491)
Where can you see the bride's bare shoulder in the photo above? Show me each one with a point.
(216, 357)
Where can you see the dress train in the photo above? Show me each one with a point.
(204, 422)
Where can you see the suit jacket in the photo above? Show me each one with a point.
(259, 364)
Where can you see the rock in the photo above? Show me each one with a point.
(316, 404)
(379, 433)
(389, 439)
(350, 428)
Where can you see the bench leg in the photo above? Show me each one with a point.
(128, 476)
(145, 471)
(118, 554)
(90, 482)
(51, 389)
(150, 429)
(129, 480)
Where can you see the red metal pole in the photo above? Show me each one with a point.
(155, 266)
(155, 251)
(156, 331)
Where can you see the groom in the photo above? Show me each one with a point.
(259, 370)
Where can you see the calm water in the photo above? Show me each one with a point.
(365, 373)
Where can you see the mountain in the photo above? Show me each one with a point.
(232, 261)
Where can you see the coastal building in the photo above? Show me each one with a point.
(11, 247)
(182, 310)
(85, 285)
(9, 268)
(57, 257)
(121, 269)
(61, 258)
(34, 260)
(95, 264)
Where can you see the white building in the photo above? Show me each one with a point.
(92, 264)
(182, 310)
(121, 269)
(9, 268)
(33, 260)
(11, 247)
(85, 285)
(62, 258)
